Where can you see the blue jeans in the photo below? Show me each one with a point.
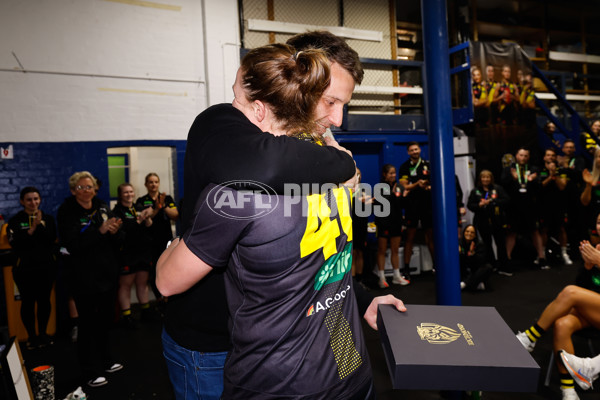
(194, 375)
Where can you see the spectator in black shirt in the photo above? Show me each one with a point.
(32, 235)
(521, 184)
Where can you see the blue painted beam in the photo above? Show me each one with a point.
(438, 108)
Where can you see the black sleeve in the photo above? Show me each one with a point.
(18, 238)
(473, 201)
(403, 172)
(207, 225)
(459, 193)
(223, 145)
(502, 197)
(277, 160)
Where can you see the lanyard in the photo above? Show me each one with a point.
(89, 222)
(412, 169)
(133, 211)
(572, 162)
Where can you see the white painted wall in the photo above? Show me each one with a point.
(113, 69)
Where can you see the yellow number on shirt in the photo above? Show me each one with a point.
(321, 231)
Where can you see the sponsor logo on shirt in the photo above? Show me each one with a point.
(328, 302)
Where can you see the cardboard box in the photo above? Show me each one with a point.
(454, 348)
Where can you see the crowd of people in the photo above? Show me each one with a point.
(103, 253)
(502, 101)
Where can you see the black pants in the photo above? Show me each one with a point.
(487, 232)
(96, 312)
(35, 286)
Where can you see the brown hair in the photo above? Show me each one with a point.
(290, 82)
(335, 47)
(121, 187)
(149, 175)
(485, 172)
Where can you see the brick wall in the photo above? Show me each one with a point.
(48, 166)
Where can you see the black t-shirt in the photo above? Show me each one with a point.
(137, 245)
(160, 230)
(37, 250)
(522, 191)
(413, 172)
(394, 195)
(223, 145)
(295, 327)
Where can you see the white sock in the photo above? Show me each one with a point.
(381, 275)
(563, 249)
(396, 273)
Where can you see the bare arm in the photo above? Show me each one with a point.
(178, 269)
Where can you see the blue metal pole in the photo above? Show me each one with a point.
(438, 108)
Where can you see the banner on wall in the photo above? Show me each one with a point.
(504, 103)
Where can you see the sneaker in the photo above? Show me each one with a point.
(580, 369)
(463, 286)
(566, 259)
(504, 272)
(383, 284)
(78, 394)
(114, 368)
(400, 280)
(542, 263)
(569, 394)
(97, 382)
(481, 286)
(525, 341)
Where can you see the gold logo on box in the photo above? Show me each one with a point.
(439, 334)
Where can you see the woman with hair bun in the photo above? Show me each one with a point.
(251, 140)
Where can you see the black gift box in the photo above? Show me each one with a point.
(454, 348)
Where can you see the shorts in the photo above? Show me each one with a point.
(389, 231)
(415, 213)
(132, 268)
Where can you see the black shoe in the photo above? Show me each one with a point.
(128, 322)
(33, 343)
(46, 340)
(542, 263)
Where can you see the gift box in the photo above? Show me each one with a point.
(454, 348)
